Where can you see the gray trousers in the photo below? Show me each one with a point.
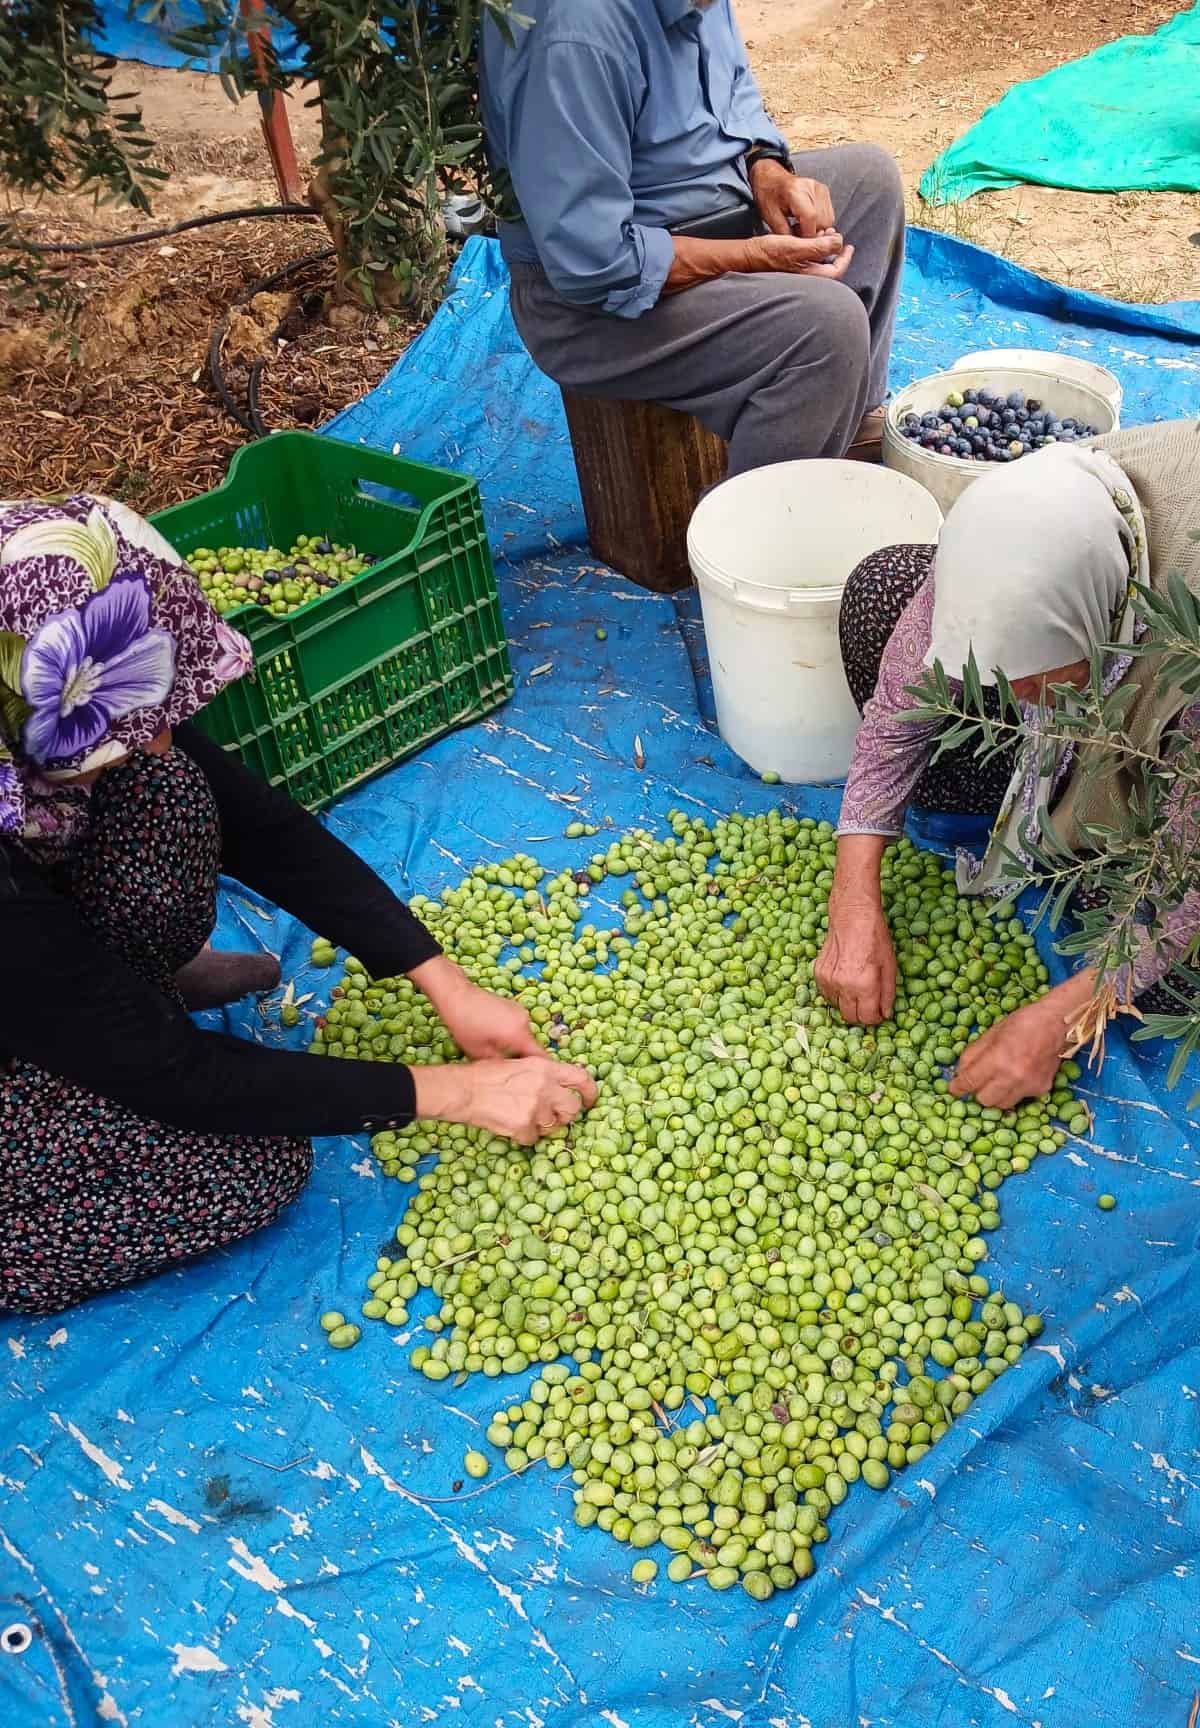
(779, 366)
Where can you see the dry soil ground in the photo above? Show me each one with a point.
(133, 412)
(912, 75)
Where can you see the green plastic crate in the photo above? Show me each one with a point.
(380, 666)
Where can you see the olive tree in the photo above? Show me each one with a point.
(397, 86)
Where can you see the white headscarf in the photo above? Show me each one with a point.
(1033, 565)
(1033, 571)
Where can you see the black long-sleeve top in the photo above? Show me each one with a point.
(74, 1008)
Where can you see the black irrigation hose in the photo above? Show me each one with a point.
(252, 407)
(249, 212)
(250, 419)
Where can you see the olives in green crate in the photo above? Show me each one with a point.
(235, 577)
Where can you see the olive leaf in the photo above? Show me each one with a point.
(1097, 899)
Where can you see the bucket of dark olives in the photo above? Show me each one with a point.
(947, 430)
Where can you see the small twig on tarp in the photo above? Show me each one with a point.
(279, 1469)
(456, 1499)
(1195, 1712)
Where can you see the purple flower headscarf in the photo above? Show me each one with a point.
(106, 640)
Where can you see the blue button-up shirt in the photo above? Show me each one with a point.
(616, 119)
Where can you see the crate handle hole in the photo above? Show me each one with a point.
(390, 496)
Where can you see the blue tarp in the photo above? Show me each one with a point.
(209, 1516)
(127, 33)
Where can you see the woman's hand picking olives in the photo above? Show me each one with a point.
(482, 1025)
(1018, 1058)
(522, 1099)
(856, 969)
(510, 1086)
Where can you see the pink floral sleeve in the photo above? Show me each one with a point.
(892, 751)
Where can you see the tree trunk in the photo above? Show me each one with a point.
(412, 273)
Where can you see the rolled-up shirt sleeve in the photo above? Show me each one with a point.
(571, 170)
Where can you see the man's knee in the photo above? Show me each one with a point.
(880, 167)
(826, 365)
(832, 326)
(789, 321)
(863, 177)
(879, 174)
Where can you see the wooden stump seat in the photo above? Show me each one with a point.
(642, 470)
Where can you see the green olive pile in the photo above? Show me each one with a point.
(274, 581)
(751, 1272)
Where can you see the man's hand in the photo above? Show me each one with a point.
(698, 261)
(1018, 1057)
(825, 254)
(482, 1025)
(789, 205)
(522, 1100)
(856, 969)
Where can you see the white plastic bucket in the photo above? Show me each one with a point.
(771, 551)
(948, 477)
(1069, 366)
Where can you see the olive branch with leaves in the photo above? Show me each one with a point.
(1125, 878)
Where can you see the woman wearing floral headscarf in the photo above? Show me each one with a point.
(1033, 571)
(129, 1138)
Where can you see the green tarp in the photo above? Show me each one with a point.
(1126, 118)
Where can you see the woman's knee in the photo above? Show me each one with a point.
(865, 581)
(884, 582)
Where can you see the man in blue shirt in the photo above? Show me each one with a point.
(669, 248)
